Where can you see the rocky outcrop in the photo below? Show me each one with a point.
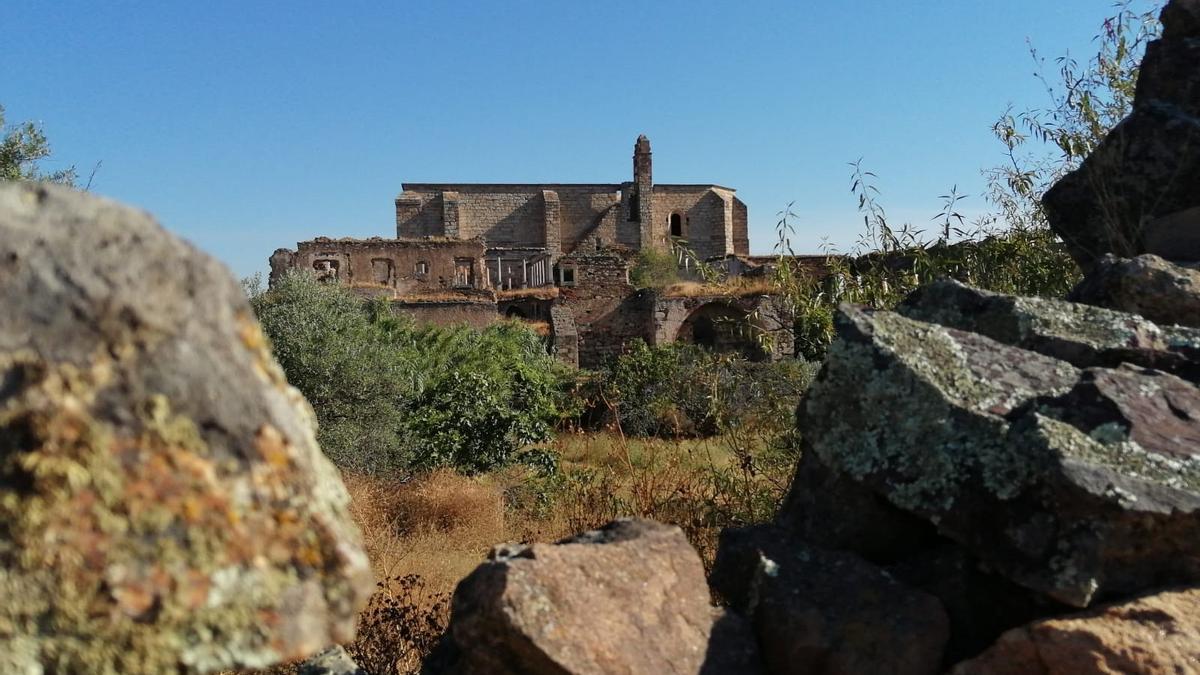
(1074, 483)
(817, 611)
(165, 506)
(630, 598)
(1147, 285)
(1081, 335)
(1137, 192)
(1154, 635)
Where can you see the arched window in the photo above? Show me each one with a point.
(676, 225)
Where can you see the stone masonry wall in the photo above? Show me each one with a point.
(672, 319)
(473, 314)
(586, 215)
(607, 310)
(387, 263)
(513, 215)
(708, 222)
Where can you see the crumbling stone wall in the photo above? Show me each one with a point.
(450, 312)
(564, 336)
(757, 325)
(607, 309)
(409, 267)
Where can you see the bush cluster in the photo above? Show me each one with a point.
(391, 396)
(677, 390)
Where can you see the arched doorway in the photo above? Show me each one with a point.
(676, 225)
(720, 327)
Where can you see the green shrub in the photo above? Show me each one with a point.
(654, 269)
(356, 377)
(684, 390)
(391, 396)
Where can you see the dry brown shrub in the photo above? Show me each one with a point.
(400, 626)
(445, 501)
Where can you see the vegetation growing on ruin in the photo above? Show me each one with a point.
(654, 269)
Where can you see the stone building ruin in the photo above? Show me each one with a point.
(554, 253)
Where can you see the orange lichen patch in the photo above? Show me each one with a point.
(87, 507)
(250, 333)
(272, 446)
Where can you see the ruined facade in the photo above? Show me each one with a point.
(556, 253)
(519, 221)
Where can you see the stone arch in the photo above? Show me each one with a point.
(723, 327)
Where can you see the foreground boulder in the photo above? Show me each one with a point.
(816, 611)
(165, 506)
(1136, 193)
(629, 598)
(1076, 483)
(1154, 635)
(1147, 285)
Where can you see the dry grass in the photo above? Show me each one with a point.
(737, 287)
(446, 296)
(437, 527)
(424, 535)
(541, 328)
(539, 293)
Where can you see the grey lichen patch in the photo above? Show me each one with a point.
(1085, 334)
(915, 406)
(1109, 446)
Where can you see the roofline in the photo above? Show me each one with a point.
(405, 187)
(537, 186)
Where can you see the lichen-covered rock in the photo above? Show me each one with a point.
(165, 506)
(1075, 483)
(1163, 292)
(629, 598)
(816, 611)
(1154, 635)
(1148, 166)
(1082, 335)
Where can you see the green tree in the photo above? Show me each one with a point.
(21, 148)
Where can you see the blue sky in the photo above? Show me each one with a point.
(248, 126)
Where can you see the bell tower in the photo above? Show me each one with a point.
(643, 192)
